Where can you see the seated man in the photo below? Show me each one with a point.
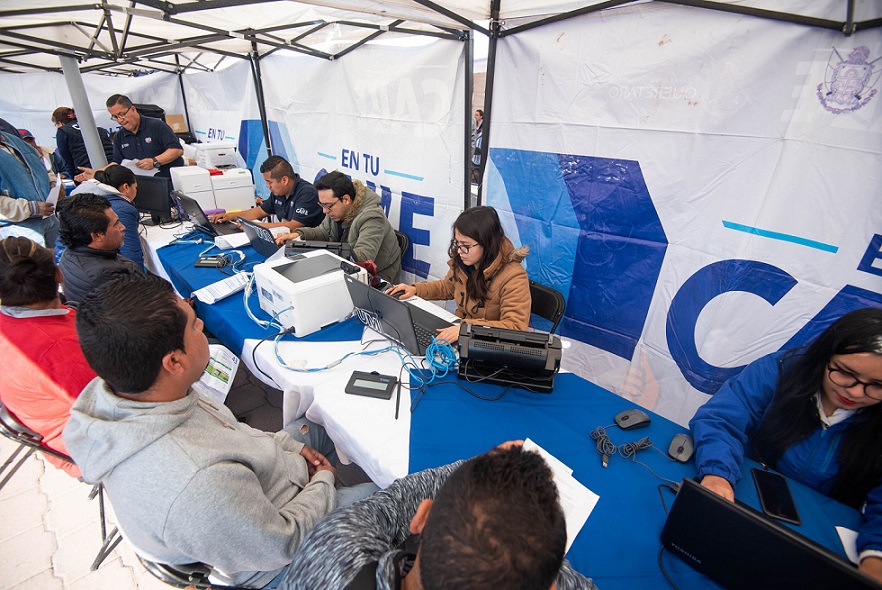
(93, 234)
(354, 215)
(44, 369)
(188, 482)
(293, 200)
(495, 522)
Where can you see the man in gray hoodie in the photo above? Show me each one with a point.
(187, 481)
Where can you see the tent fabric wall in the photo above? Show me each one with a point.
(684, 177)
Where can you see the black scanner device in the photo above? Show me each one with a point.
(632, 419)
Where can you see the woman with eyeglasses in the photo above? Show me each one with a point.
(486, 278)
(812, 413)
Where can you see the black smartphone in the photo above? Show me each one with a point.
(775, 496)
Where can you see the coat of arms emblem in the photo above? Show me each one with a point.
(848, 83)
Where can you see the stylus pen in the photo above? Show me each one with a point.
(398, 399)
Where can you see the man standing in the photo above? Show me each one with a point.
(93, 234)
(188, 482)
(354, 215)
(149, 142)
(494, 521)
(293, 200)
(24, 186)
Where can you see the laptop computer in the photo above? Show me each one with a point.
(261, 238)
(200, 220)
(740, 547)
(408, 325)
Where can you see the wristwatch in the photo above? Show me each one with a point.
(156, 163)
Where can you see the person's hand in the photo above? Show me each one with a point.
(45, 209)
(407, 291)
(223, 217)
(450, 334)
(719, 485)
(86, 174)
(145, 164)
(510, 444)
(872, 566)
(286, 238)
(315, 461)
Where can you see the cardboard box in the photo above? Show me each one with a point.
(177, 123)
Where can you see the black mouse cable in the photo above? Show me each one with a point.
(631, 450)
(603, 445)
(675, 487)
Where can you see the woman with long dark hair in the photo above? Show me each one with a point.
(812, 413)
(486, 278)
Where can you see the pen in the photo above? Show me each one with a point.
(397, 399)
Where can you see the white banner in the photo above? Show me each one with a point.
(702, 187)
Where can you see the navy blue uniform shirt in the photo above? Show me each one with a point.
(302, 205)
(153, 138)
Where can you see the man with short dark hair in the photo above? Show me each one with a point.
(93, 234)
(188, 482)
(150, 142)
(292, 200)
(495, 522)
(354, 215)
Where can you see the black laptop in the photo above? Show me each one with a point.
(407, 324)
(739, 547)
(200, 220)
(261, 238)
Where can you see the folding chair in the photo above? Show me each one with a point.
(30, 442)
(547, 303)
(191, 575)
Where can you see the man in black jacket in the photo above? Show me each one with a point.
(93, 234)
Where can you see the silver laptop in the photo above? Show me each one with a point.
(200, 220)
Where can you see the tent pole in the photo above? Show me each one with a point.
(77, 90)
(258, 88)
(183, 93)
(467, 119)
(495, 26)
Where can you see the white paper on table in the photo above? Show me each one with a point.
(237, 240)
(217, 378)
(133, 166)
(849, 543)
(222, 289)
(52, 197)
(576, 500)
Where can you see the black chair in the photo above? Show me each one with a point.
(191, 575)
(547, 303)
(31, 442)
(403, 241)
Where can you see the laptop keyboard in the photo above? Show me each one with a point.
(226, 228)
(423, 336)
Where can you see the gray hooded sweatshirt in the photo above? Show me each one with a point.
(189, 483)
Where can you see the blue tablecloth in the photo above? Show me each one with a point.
(619, 543)
(227, 319)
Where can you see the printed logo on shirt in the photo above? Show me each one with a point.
(148, 140)
(301, 211)
(124, 145)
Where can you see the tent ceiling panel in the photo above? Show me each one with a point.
(131, 36)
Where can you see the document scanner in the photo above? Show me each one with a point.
(306, 292)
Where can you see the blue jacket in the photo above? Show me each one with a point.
(127, 213)
(721, 427)
(72, 147)
(29, 182)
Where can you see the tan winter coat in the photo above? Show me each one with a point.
(508, 298)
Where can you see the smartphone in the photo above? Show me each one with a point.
(775, 496)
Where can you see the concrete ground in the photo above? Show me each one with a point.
(50, 531)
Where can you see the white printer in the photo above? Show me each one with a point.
(306, 292)
(218, 154)
(195, 182)
(234, 189)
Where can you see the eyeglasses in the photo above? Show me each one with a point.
(326, 207)
(847, 380)
(464, 248)
(121, 115)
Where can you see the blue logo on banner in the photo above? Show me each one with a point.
(595, 234)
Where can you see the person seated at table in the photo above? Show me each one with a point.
(293, 201)
(119, 186)
(93, 234)
(517, 542)
(355, 216)
(44, 368)
(486, 278)
(812, 413)
(187, 481)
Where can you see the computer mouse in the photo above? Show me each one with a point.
(681, 448)
(632, 419)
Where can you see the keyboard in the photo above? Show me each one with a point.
(423, 336)
(226, 228)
